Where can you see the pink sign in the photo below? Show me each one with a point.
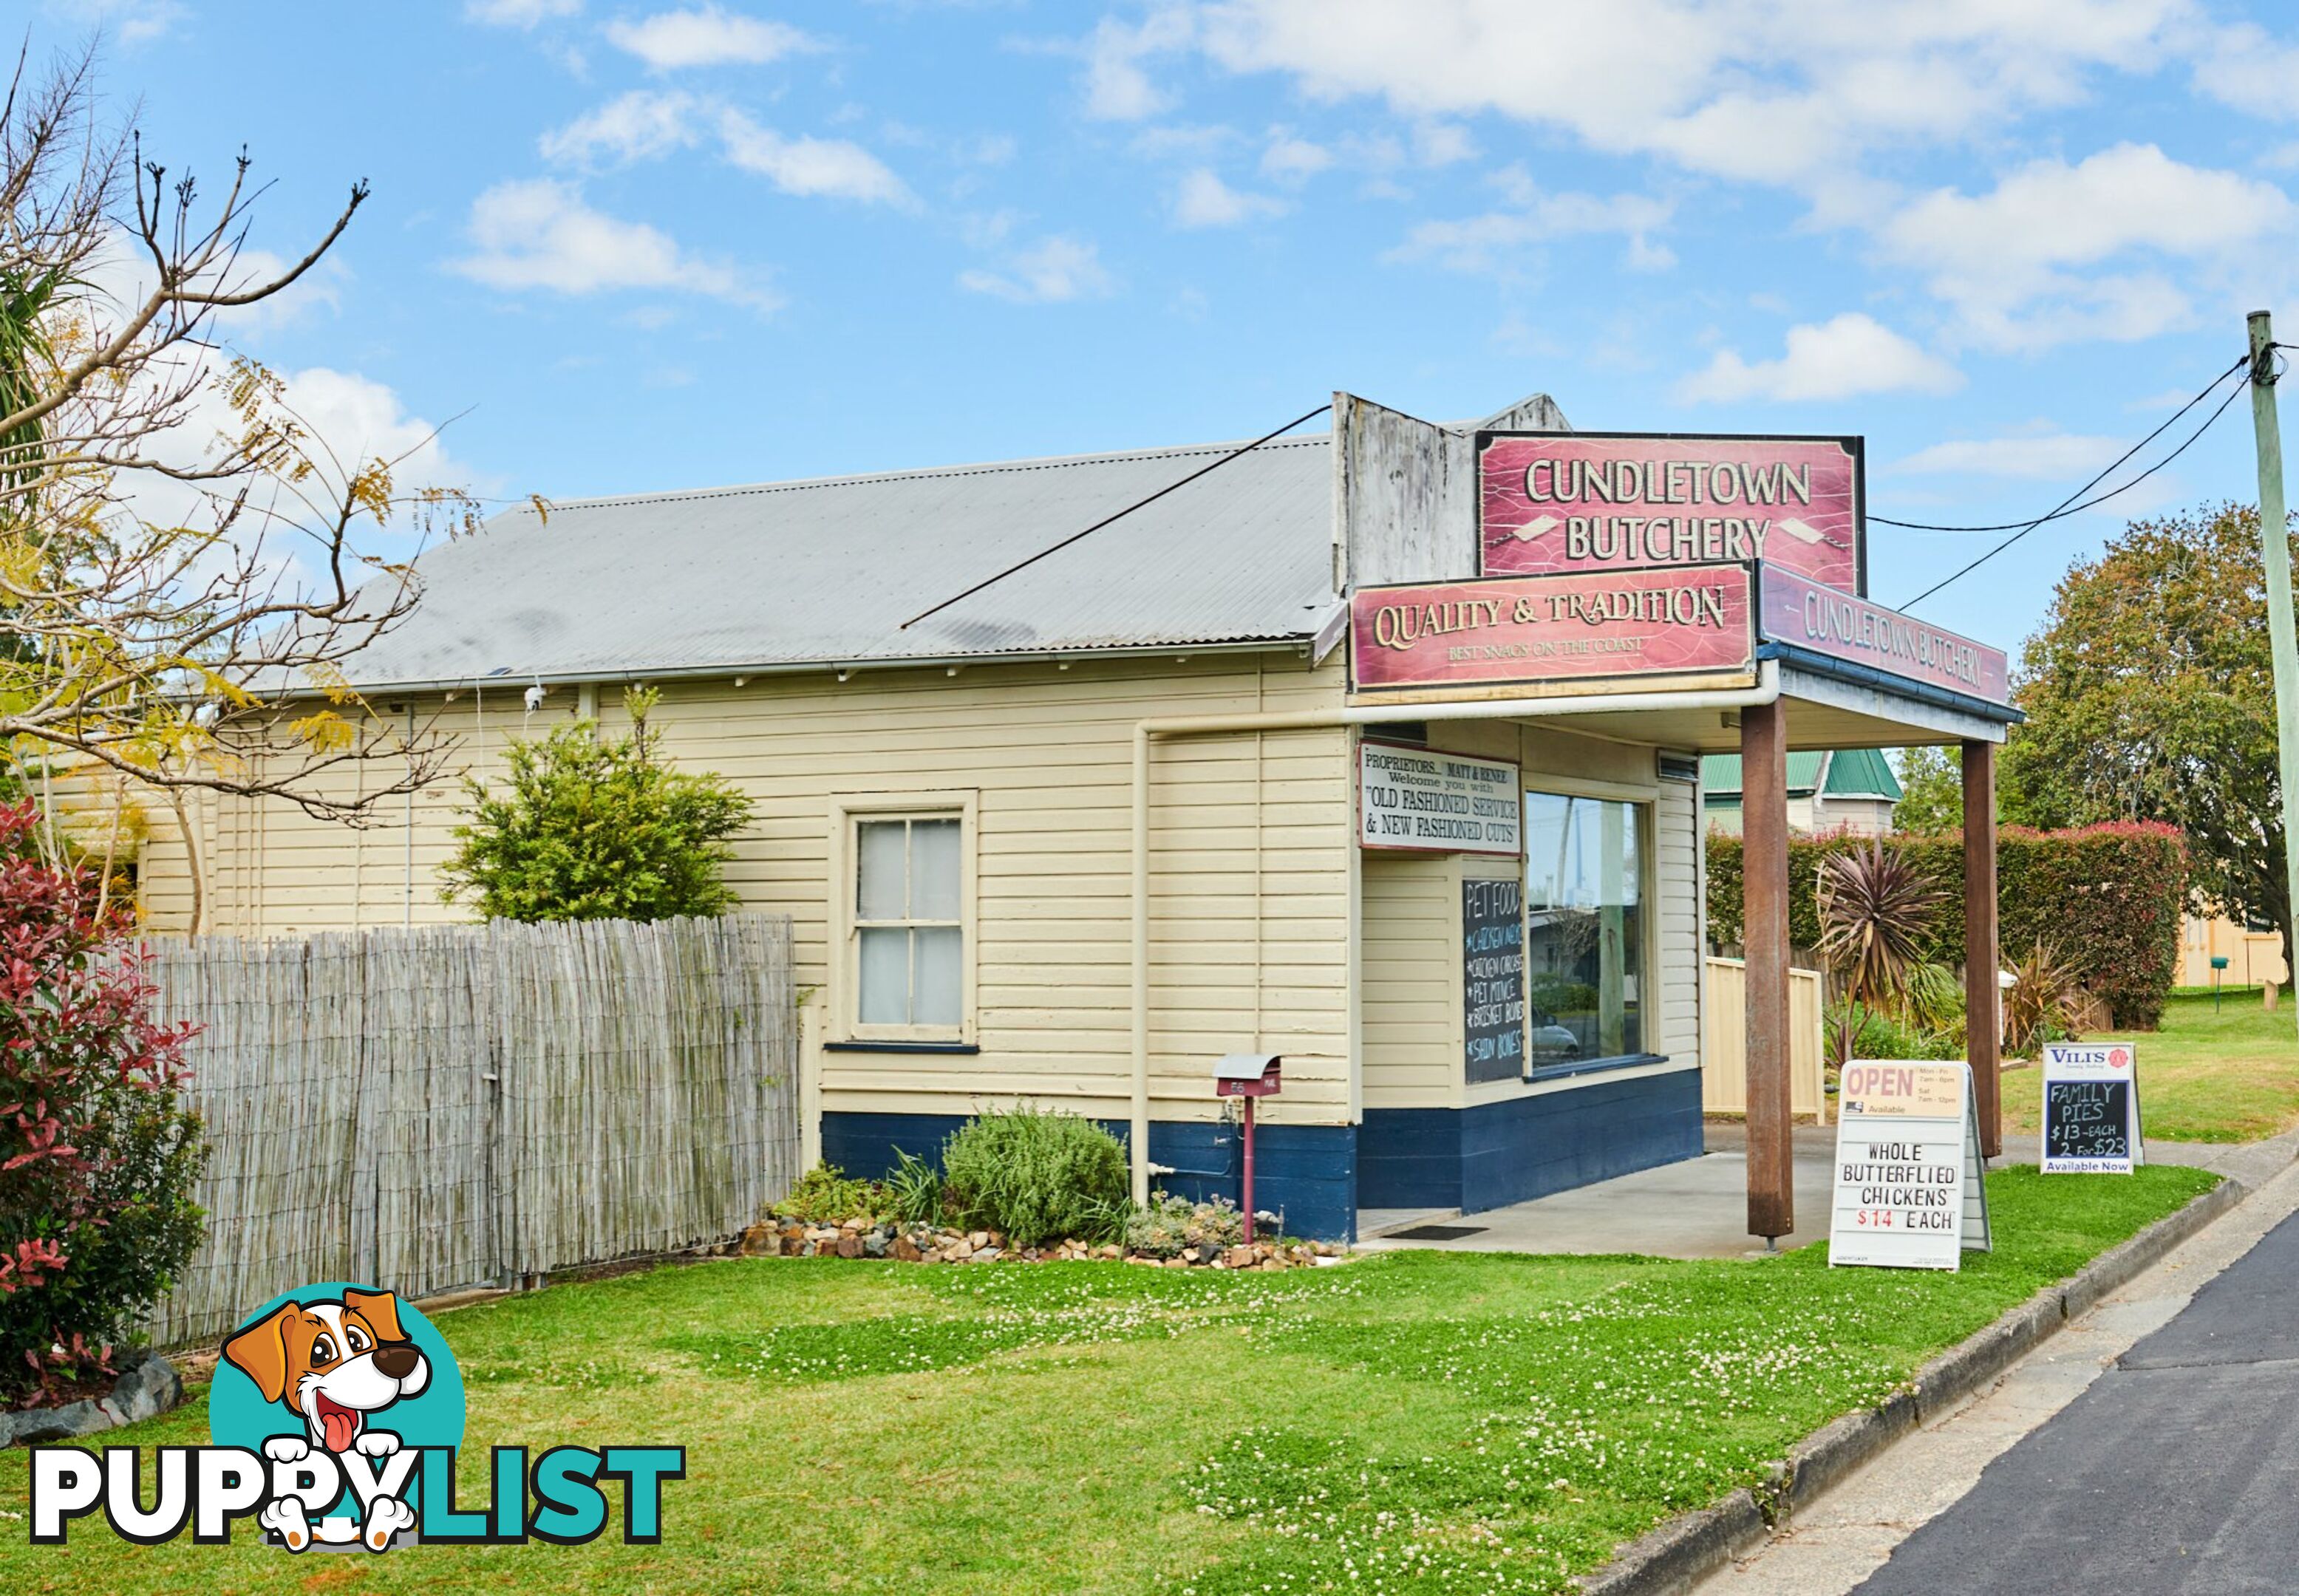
(1605, 501)
(1512, 630)
(1804, 614)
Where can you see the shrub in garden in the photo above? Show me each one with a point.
(1170, 1223)
(1036, 1177)
(97, 1154)
(824, 1195)
(2116, 892)
(1857, 1032)
(593, 828)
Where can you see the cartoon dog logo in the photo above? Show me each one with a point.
(333, 1364)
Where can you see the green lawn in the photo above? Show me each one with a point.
(2229, 1076)
(1435, 1421)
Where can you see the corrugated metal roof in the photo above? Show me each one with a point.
(826, 571)
(1720, 773)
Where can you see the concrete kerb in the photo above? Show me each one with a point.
(1673, 1557)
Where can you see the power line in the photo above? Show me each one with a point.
(2070, 505)
(1121, 515)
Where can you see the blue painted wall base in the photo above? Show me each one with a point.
(1317, 1176)
(1307, 1173)
(1502, 1153)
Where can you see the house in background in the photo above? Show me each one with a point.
(2253, 949)
(1829, 790)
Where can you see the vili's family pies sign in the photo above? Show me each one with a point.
(1556, 502)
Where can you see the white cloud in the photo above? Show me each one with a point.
(645, 125)
(1117, 88)
(640, 125)
(2050, 456)
(2012, 262)
(519, 13)
(2246, 67)
(1777, 93)
(1205, 201)
(706, 36)
(1847, 355)
(541, 233)
(131, 22)
(809, 166)
(1496, 240)
(1052, 270)
(1291, 160)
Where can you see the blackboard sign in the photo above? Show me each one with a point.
(2091, 1108)
(1492, 979)
(2089, 1119)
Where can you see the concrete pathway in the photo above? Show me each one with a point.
(1699, 1207)
(2151, 1446)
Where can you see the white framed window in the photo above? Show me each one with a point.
(904, 893)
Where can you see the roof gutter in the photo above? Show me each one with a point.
(1295, 643)
(1766, 691)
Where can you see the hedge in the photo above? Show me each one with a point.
(2110, 897)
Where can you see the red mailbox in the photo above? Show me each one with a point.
(1247, 1075)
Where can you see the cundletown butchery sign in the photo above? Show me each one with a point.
(1555, 502)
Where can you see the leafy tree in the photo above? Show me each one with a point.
(1931, 792)
(597, 829)
(97, 1154)
(2150, 695)
(185, 566)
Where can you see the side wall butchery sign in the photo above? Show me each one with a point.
(1626, 626)
(1615, 501)
(1804, 614)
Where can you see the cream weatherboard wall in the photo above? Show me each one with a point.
(1412, 967)
(1251, 847)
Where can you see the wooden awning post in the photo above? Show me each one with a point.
(1765, 886)
(1983, 1000)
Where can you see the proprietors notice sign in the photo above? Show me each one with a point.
(1423, 799)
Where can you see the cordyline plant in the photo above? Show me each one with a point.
(1875, 908)
(2041, 1005)
(97, 1155)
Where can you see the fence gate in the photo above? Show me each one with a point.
(453, 1105)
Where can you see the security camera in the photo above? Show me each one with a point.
(535, 697)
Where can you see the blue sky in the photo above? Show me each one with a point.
(644, 246)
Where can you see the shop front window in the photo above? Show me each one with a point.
(1585, 892)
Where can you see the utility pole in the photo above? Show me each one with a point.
(2275, 549)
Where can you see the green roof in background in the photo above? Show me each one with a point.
(1853, 772)
(1862, 772)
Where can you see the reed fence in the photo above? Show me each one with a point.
(458, 1105)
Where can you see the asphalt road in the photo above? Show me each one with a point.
(2175, 1471)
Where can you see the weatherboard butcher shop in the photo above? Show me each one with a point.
(1374, 752)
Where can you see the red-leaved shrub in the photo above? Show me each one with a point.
(97, 1154)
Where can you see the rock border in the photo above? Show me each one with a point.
(863, 1237)
(1673, 1557)
(148, 1386)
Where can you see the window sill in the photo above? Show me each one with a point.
(958, 1048)
(1594, 1066)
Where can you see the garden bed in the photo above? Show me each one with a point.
(862, 1237)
